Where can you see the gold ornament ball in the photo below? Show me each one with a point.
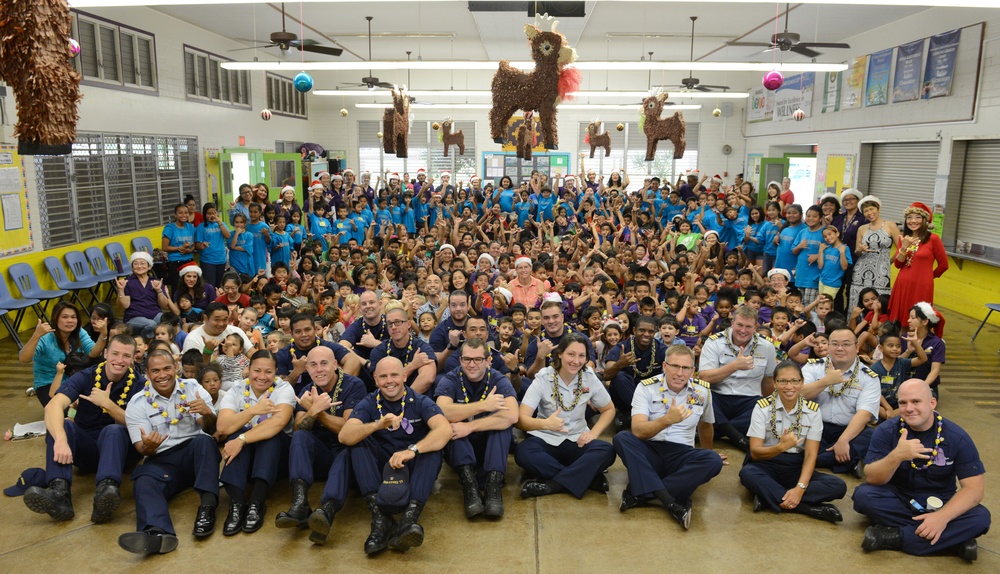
(716, 112)
(436, 126)
(379, 135)
(620, 127)
(343, 112)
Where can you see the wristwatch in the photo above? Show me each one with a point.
(801, 485)
(413, 448)
(243, 439)
(452, 347)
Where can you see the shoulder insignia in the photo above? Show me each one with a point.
(868, 371)
(702, 382)
(813, 406)
(764, 403)
(814, 361)
(774, 342)
(652, 380)
(718, 335)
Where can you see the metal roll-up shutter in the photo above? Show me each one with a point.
(902, 173)
(979, 211)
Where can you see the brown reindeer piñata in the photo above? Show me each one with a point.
(596, 139)
(541, 89)
(657, 128)
(526, 136)
(450, 138)
(396, 124)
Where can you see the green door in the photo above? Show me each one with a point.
(236, 167)
(282, 169)
(771, 169)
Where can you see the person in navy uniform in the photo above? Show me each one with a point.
(481, 405)
(561, 453)
(848, 394)
(292, 359)
(419, 360)
(659, 452)
(316, 452)
(539, 352)
(447, 335)
(785, 433)
(96, 439)
(913, 459)
(395, 425)
(634, 359)
(366, 333)
(254, 415)
(477, 328)
(170, 423)
(739, 365)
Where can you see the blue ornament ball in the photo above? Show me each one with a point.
(303, 82)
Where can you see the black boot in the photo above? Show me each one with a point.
(320, 522)
(408, 532)
(827, 512)
(470, 490)
(382, 526)
(882, 538)
(53, 500)
(494, 494)
(107, 499)
(968, 550)
(234, 521)
(297, 515)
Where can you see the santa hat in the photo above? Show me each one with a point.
(366, 173)
(506, 294)
(851, 192)
(446, 173)
(552, 296)
(474, 178)
(570, 177)
(395, 175)
(337, 177)
(692, 173)
(489, 258)
(290, 188)
(420, 172)
(918, 208)
(447, 246)
(717, 179)
(521, 260)
(189, 267)
(711, 232)
(316, 184)
(322, 173)
(934, 317)
(829, 196)
(348, 171)
(870, 199)
(779, 271)
(140, 255)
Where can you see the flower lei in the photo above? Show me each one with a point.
(640, 375)
(336, 390)
(291, 350)
(844, 386)
(937, 440)
(693, 398)
(486, 387)
(381, 328)
(911, 252)
(163, 412)
(753, 343)
(409, 350)
(796, 427)
(578, 391)
(128, 384)
(404, 423)
(246, 403)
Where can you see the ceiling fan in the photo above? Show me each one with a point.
(692, 83)
(371, 82)
(286, 41)
(789, 42)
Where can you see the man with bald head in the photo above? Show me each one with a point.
(324, 405)
(910, 496)
(402, 428)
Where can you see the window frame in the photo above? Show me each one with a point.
(283, 99)
(237, 94)
(117, 30)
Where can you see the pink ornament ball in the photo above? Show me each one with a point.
(773, 80)
(265, 115)
(74, 48)
(798, 115)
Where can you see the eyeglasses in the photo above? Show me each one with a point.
(680, 368)
(473, 360)
(786, 382)
(840, 345)
(396, 323)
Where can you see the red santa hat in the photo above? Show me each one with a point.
(421, 172)
(570, 177)
(337, 177)
(348, 171)
(322, 173)
(445, 173)
(920, 209)
(934, 317)
(395, 175)
(316, 184)
(717, 179)
(474, 178)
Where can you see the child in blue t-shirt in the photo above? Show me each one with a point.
(319, 225)
(893, 370)
(281, 243)
(523, 209)
(383, 216)
(241, 246)
(834, 258)
(806, 250)
(261, 238)
(295, 230)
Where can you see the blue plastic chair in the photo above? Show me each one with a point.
(26, 282)
(62, 280)
(104, 274)
(118, 257)
(80, 267)
(8, 304)
(142, 244)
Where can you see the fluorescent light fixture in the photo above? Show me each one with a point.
(486, 93)
(290, 66)
(929, 3)
(429, 105)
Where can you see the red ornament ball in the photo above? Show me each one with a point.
(773, 80)
(265, 115)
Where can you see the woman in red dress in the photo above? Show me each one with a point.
(917, 251)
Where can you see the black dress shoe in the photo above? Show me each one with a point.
(234, 522)
(743, 444)
(882, 538)
(53, 500)
(536, 488)
(628, 501)
(148, 542)
(968, 550)
(599, 484)
(757, 504)
(681, 513)
(255, 517)
(827, 512)
(204, 523)
(107, 499)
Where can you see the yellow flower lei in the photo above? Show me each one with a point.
(128, 384)
(937, 440)
(246, 403)
(163, 412)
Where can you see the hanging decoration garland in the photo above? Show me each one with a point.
(179, 408)
(128, 384)
(937, 440)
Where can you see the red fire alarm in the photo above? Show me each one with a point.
(243, 141)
